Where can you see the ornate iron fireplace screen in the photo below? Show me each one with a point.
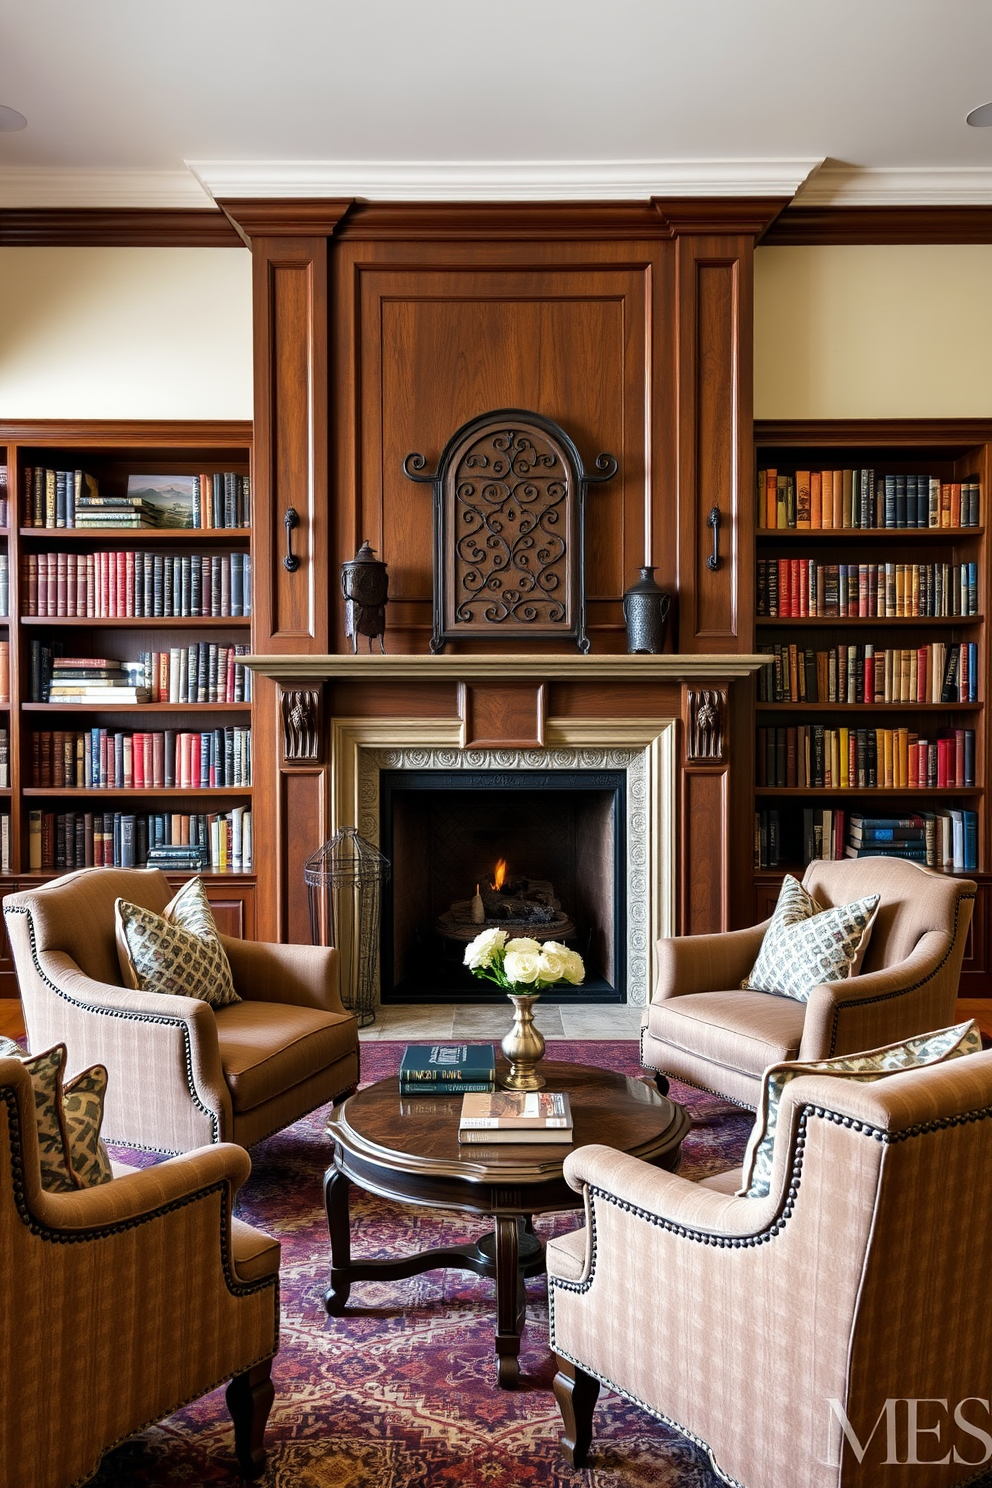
(509, 529)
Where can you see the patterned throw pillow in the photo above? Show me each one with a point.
(69, 1118)
(874, 1064)
(805, 944)
(177, 952)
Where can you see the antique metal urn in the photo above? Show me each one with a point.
(365, 586)
(645, 613)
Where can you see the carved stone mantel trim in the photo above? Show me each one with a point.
(648, 743)
(686, 667)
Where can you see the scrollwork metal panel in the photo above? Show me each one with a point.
(509, 529)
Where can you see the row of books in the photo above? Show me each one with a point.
(102, 759)
(802, 588)
(811, 755)
(937, 673)
(56, 499)
(139, 585)
(815, 499)
(119, 839)
(946, 840)
(205, 672)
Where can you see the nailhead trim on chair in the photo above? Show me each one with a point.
(735, 1242)
(900, 991)
(693, 1084)
(129, 1017)
(60, 1237)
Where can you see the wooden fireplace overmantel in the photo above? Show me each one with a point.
(515, 666)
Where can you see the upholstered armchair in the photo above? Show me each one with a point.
(123, 1302)
(757, 1326)
(181, 1074)
(702, 1028)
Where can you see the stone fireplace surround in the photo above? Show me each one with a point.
(668, 721)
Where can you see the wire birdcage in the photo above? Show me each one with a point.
(344, 881)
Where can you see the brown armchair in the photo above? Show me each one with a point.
(123, 1302)
(181, 1074)
(857, 1285)
(702, 1028)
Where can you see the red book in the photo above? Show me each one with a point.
(103, 584)
(129, 584)
(784, 591)
(943, 758)
(61, 584)
(869, 688)
(138, 760)
(158, 760)
(72, 570)
(794, 581)
(120, 584)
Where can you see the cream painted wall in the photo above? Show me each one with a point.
(873, 332)
(125, 333)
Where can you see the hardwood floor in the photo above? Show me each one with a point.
(11, 1022)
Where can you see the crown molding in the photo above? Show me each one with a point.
(803, 226)
(499, 180)
(837, 185)
(28, 186)
(120, 227)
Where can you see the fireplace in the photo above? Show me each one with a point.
(445, 831)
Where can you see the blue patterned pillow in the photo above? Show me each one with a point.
(806, 944)
(68, 1117)
(874, 1064)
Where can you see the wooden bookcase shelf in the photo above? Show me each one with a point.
(111, 451)
(953, 452)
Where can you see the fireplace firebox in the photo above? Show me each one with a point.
(561, 832)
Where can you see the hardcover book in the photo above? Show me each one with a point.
(516, 1116)
(169, 496)
(448, 1064)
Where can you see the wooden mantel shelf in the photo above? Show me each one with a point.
(518, 666)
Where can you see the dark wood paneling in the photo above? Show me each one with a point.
(509, 714)
(703, 872)
(401, 700)
(439, 344)
(714, 332)
(799, 225)
(233, 908)
(303, 827)
(99, 227)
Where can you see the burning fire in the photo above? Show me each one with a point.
(499, 874)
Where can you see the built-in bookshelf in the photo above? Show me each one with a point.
(871, 591)
(125, 605)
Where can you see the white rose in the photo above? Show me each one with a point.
(522, 967)
(523, 943)
(552, 961)
(482, 950)
(574, 970)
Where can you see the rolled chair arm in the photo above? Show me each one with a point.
(304, 975)
(856, 1014)
(141, 1193)
(706, 963)
(666, 1197)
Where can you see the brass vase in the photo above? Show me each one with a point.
(523, 1045)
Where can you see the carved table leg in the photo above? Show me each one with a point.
(249, 1400)
(510, 1300)
(576, 1393)
(337, 1189)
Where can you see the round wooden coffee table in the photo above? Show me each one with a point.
(408, 1150)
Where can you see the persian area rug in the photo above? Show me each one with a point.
(401, 1391)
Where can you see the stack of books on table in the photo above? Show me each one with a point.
(516, 1116)
(447, 1069)
(94, 679)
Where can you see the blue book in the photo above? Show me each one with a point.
(448, 1064)
(970, 829)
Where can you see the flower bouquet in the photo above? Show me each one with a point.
(524, 968)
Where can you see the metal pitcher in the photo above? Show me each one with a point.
(645, 613)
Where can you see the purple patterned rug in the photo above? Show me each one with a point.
(400, 1392)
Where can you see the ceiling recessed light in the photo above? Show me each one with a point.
(981, 118)
(11, 119)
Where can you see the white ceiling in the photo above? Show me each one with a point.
(131, 101)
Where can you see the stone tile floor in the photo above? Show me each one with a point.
(420, 1022)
